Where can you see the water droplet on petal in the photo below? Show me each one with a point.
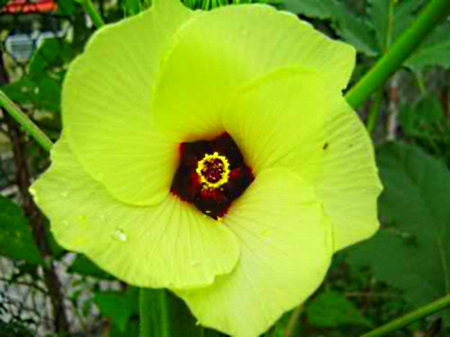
(82, 218)
(120, 235)
(265, 232)
(195, 263)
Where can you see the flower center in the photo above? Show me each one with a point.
(211, 175)
(213, 170)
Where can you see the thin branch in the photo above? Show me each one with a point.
(401, 49)
(403, 321)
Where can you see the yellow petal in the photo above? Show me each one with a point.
(107, 96)
(346, 176)
(276, 121)
(219, 51)
(285, 252)
(171, 244)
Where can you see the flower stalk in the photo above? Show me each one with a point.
(375, 110)
(90, 10)
(430, 17)
(154, 313)
(25, 122)
(401, 322)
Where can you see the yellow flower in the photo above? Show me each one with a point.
(212, 153)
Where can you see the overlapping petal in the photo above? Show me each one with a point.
(346, 177)
(277, 120)
(285, 252)
(216, 53)
(107, 98)
(168, 245)
(292, 119)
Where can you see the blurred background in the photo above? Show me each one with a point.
(47, 291)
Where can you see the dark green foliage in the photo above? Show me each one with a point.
(16, 240)
(14, 329)
(84, 266)
(122, 308)
(423, 119)
(434, 51)
(377, 27)
(411, 252)
(331, 309)
(41, 88)
(347, 24)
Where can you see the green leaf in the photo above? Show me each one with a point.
(133, 6)
(21, 91)
(348, 25)
(84, 266)
(311, 8)
(120, 307)
(405, 13)
(52, 53)
(355, 31)
(412, 251)
(332, 309)
(16, 240)
(422, 117)
(380, 16)
(371, 35)
(66, 7)
(390, 18)
(434, 51)
(43, 92)
(47, 93)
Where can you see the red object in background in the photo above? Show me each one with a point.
(25, 6)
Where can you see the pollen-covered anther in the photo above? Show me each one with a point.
(213, 170)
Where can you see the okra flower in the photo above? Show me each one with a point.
(212, 153)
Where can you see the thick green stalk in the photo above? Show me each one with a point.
(410, 318)
(90, 10)
(431, 16)
(25, 122)
(155, 313)
(165, 315)
(375, 111)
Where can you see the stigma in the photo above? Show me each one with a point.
(213, 170)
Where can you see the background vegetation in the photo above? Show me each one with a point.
(45, 290)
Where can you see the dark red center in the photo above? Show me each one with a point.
(187, 184)
(213, 170)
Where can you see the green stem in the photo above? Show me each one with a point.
(431, 16)
(155, 313)
(90, 10)
(292, 325)
(410, 318)
(25, 121)
(420, 82)
(375, 111)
